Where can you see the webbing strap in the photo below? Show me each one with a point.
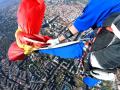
(94, 39)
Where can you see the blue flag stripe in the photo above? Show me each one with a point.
(70, 51)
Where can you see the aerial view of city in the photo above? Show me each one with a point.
(40, 71)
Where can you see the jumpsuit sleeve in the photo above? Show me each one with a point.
(91, 15)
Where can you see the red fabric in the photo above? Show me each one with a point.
(41, 39)
(30, 15)
(15, 53)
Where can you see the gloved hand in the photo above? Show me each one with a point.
(103, 75)
(53, 42)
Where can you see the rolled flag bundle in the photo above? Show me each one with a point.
(30, 16)
(30, 42)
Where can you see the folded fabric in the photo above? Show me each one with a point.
(30, 42)
(65, 50)
(15, 53)
(30, 15)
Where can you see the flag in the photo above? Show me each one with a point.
(30, 15)
(91, 82)
(72, 49)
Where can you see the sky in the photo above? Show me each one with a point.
(7, 3)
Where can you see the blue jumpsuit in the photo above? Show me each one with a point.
(95, 13)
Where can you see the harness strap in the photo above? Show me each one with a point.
(94, 39)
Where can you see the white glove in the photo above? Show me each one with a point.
(99, 74)
(53, 42)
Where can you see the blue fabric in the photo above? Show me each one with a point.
(91, 82)
(70, 51)
(95, 13)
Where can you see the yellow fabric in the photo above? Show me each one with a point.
(27, 48)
